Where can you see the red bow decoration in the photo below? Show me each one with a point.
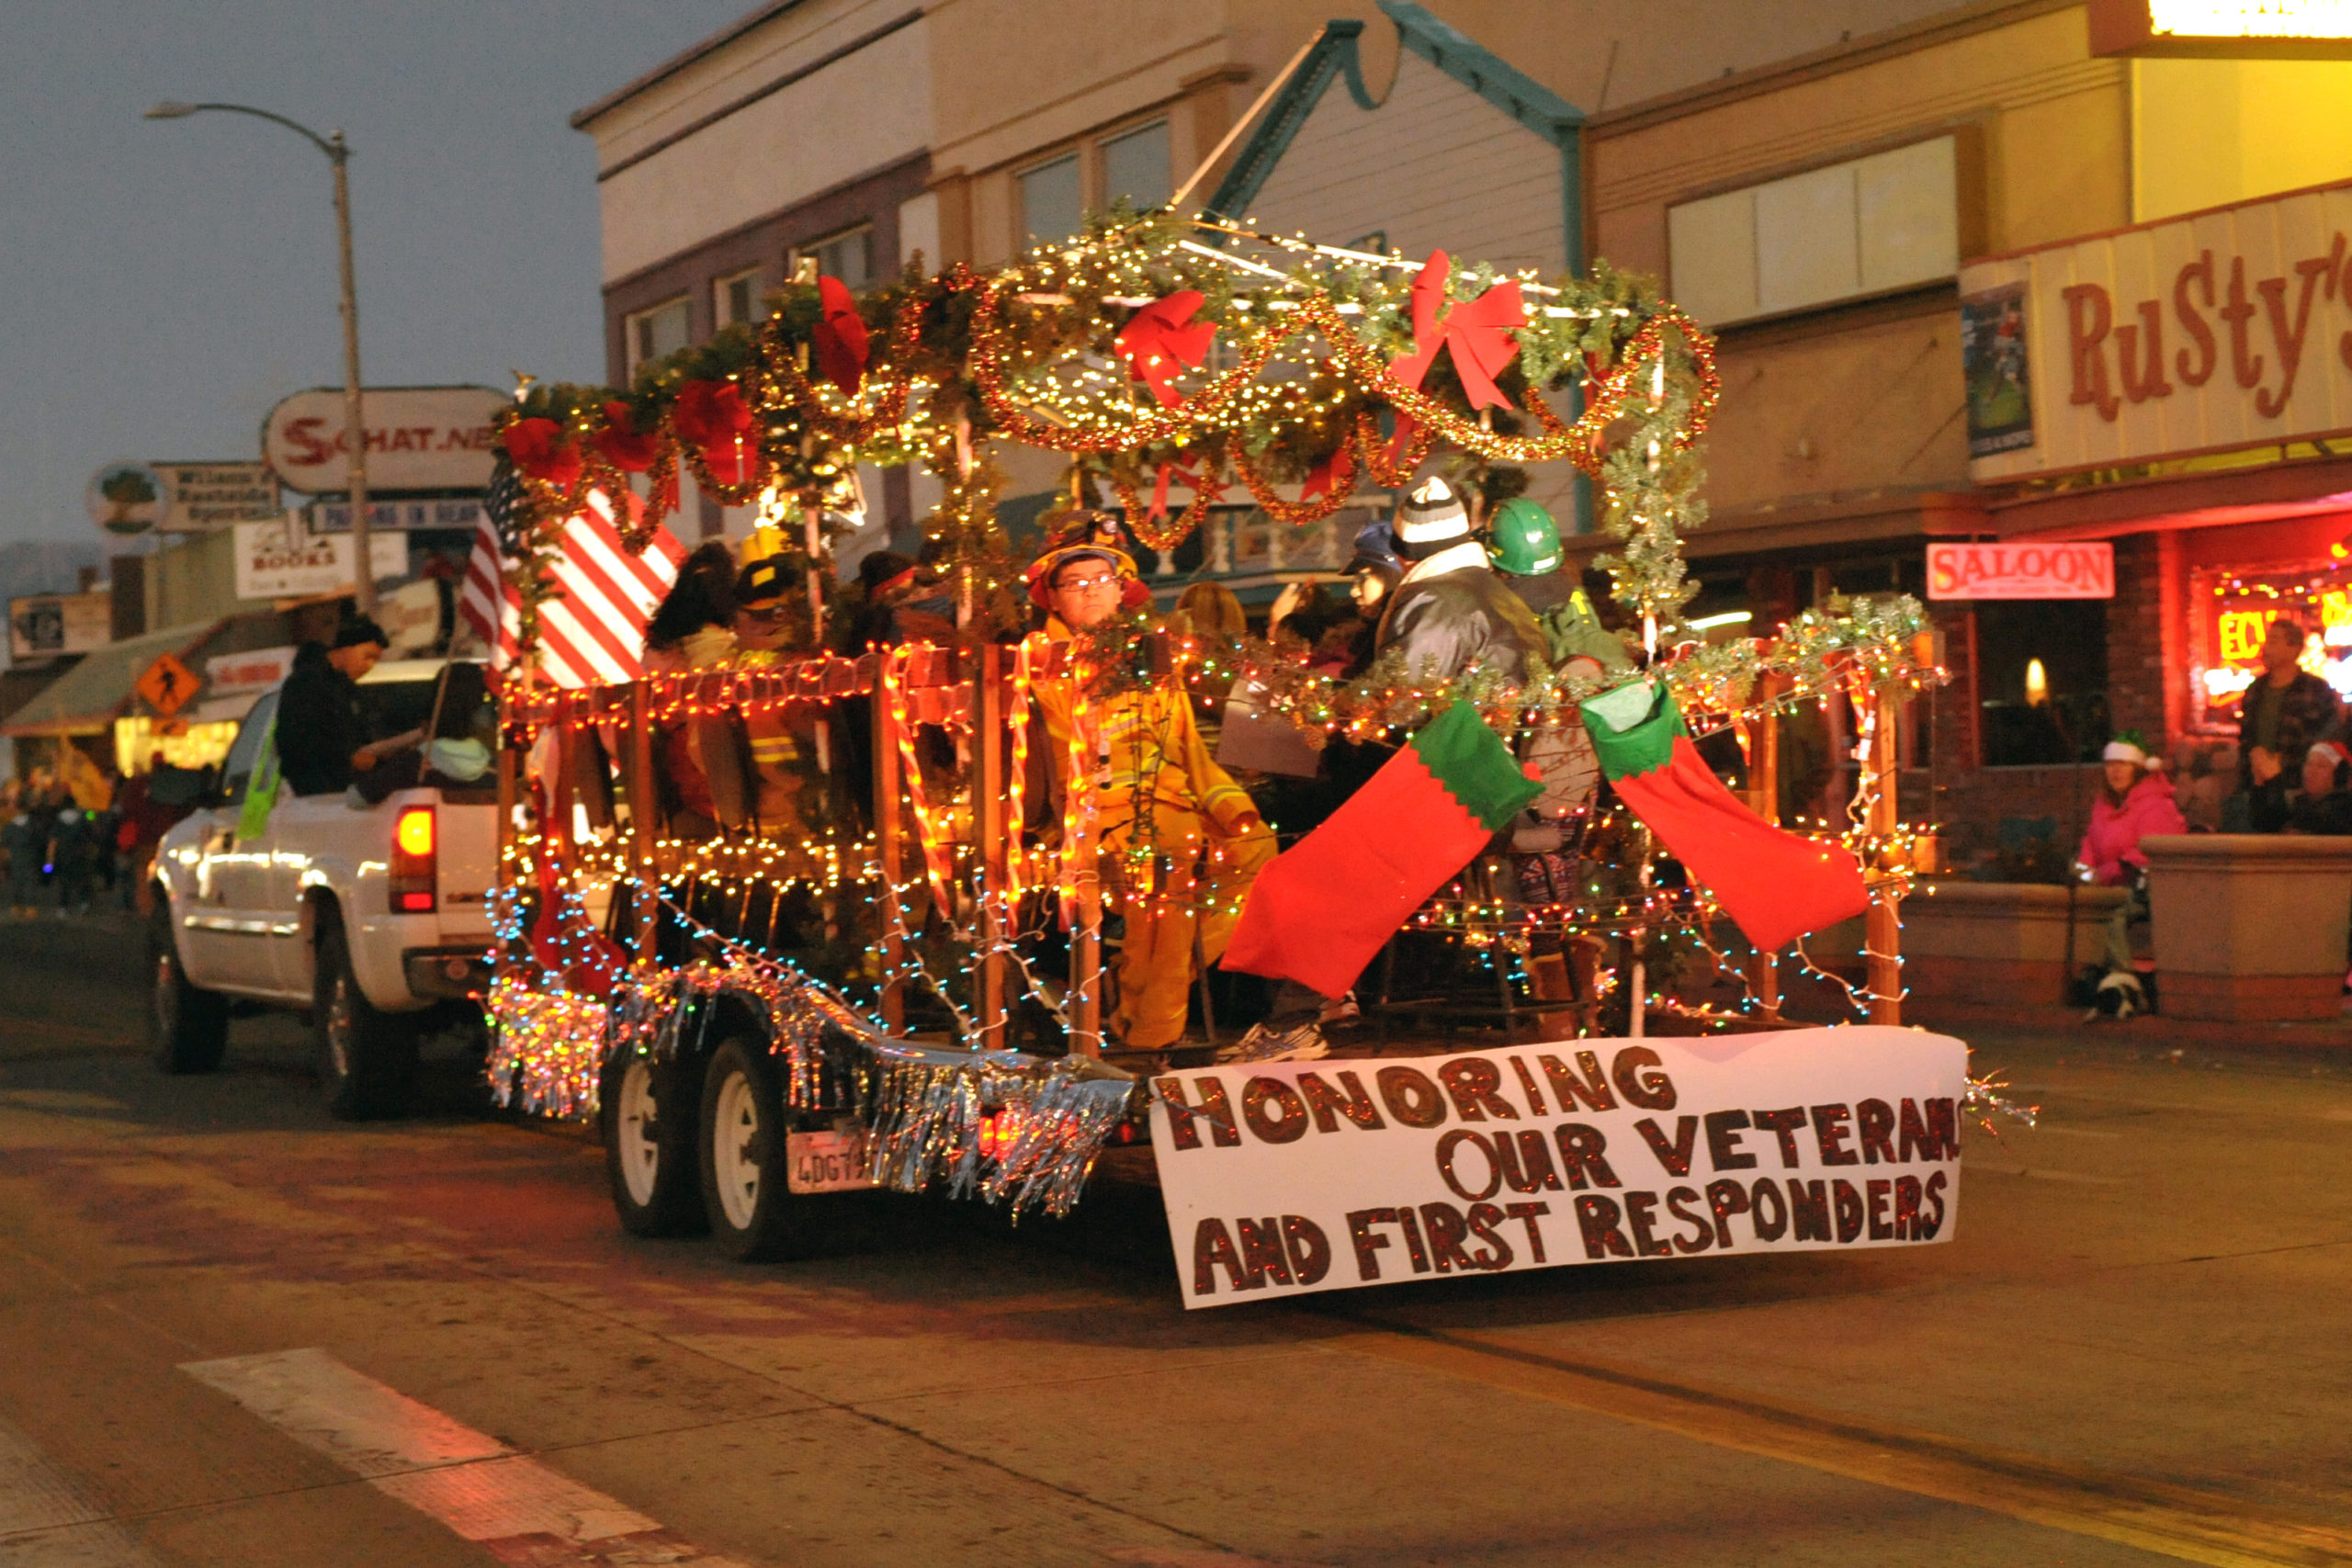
(1210, 487)
(713, 418)
(1477, 330)
(1156, 341)
(1325, 474)
(623, 446)
(840, 336)
(538, 451)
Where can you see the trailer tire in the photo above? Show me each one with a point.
(754, 1216)
(648, 1110)
(187, 1026)
(366, 1058)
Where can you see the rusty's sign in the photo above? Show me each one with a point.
(2222, 329)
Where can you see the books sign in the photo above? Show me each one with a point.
(281, 559)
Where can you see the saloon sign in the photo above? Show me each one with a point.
(419, 438)
(2222, 329)
(2065, 570)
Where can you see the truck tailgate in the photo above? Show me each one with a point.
(468, 867)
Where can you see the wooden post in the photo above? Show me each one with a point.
(1764, 798)
(644, 806)
(989, 828)
(1086, 961)
(889, 849)
(510, 764)
(1882, 926)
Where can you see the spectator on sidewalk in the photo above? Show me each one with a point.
(2134, 802)
(24, 844)
(2322, 802)
(2283, 714)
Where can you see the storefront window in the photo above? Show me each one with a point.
(2041, 681)
(2233, 616)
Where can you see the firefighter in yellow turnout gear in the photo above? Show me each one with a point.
(1179, 841)
(784, 800)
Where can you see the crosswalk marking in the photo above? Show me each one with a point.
(520, 1510)
(47, 1521)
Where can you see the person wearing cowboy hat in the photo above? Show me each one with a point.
(1179, 841)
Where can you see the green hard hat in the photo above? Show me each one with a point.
(1526, 541)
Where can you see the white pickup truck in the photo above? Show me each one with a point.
(371, 917)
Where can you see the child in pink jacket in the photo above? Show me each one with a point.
(2134, 802)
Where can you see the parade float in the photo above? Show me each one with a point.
(895, 976)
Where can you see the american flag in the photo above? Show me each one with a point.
(592, 630)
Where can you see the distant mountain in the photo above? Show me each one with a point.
(42, 565)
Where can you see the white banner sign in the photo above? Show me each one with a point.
(418, 438)
(444, 511)
(201, 498)
(284, 561)
(1288, 1178)
(43, 625)
(256, 670)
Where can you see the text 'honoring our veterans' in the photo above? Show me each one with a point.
(1285, 1177)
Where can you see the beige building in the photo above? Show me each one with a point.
(1811, 179)
(859, 134)
(1887, 233)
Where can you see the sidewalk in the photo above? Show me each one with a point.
(2153, 1029)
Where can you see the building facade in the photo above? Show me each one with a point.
(855, 135)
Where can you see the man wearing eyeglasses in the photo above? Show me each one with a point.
(1179, 840)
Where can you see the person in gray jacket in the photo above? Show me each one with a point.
(1451, 610)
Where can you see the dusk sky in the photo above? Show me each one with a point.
(168, 281)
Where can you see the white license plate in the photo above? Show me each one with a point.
(825, 1162)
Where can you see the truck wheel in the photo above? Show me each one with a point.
(366, 1058)
(752, 1216)
(646, 1108)
(187, 1027)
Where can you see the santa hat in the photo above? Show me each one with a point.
(2336, 752)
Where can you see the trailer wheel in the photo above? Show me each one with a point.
(752, 1216)
(187, 1027)
(366, 1058)
(648, 1110)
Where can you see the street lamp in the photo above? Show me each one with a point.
(354, 429)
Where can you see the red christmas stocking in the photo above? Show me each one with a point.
(1777, 886)
(1320, 910)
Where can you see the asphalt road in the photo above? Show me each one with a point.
(233, 1332)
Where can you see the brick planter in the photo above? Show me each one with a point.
(2250, 926)
(1999, 941)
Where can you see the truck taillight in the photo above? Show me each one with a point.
(414, 870)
